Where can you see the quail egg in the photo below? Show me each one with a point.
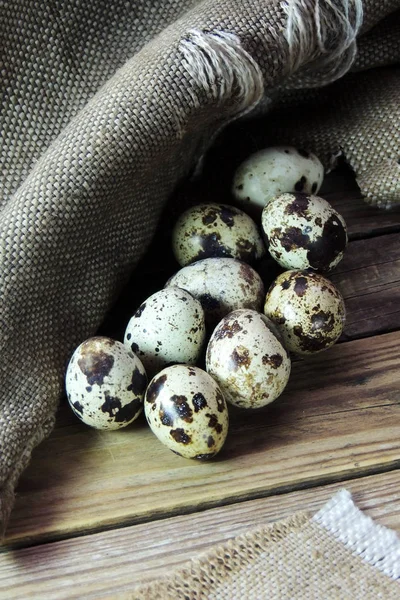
(169, 327)
(187, 411)
(274, 171)
(221, 285)
(247, 359)
(304, 231)
(105, 383)
(210, 230)
(308, 310)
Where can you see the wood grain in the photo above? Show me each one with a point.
(360, 261)
(338, 418)
(112, 562)
(369, 279)
(363, 220)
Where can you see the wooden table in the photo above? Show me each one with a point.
(97, 512)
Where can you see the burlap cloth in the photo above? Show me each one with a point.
(107, 105)
(338, 554)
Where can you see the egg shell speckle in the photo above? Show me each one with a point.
(304, 231)
(169, 327)
(274, 171)
(308, 310)
(247, 359)
(187, 412)
(216, 230)
(221, 285)
(105, 384)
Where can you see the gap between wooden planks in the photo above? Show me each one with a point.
(112, 562)
(339, 417)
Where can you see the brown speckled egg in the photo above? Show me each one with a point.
(221, 285)
(105, 383)
(168, 327)
(246, 357)
(187, 411)
(211, 230)
(308, 310)
(304, 232)
(274, 171)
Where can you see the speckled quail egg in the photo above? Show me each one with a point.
(210, 230)
(169, 327)
(274, 171)
(221, 285)
(187, 411)
(308, 310)
(105, 383)
(247, 359)
(304, 231)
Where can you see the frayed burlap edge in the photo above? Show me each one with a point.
(361, 553)
(201, 574)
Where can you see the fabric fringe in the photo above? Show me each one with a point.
(336, 26)
(219, 63)
(222, 69)
(374, 543)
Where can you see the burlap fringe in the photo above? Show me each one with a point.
(322, 27)
(318, 555)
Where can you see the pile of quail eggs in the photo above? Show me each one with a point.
(214, 312)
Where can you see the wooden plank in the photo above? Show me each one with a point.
(369, 279)
(159, 264)
(112, 562)
(339, 187)
(363, 220)
(338, 418)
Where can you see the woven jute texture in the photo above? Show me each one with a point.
(332, 555)
(335, 123)
(295, 559)
(105, 107)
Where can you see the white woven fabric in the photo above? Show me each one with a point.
(374, 543)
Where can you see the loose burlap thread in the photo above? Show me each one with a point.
(105, 107)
